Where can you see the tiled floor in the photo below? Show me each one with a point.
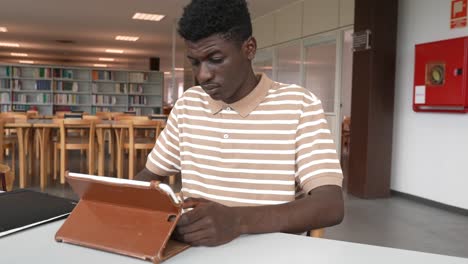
(395, 222)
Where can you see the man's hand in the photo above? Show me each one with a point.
(208, 223)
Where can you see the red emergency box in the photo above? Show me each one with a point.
(441, 76)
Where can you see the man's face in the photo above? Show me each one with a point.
(220, 66)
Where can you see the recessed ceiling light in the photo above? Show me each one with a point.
(19, 54)
(114, 51)
(100, 65)
(167, 73)
(146, 16)
(26, 61)
(3, 29)
(106, 59)
(127, 38)
(7, 44)
(178, 69)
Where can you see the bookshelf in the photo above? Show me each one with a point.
(53, 88)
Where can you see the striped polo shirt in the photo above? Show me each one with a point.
(268, 148)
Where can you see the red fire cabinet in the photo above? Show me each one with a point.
(441, 76)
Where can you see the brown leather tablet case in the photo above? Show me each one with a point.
(126, 219)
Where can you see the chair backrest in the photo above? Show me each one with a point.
(61, 114)
(6, 178)
(346, 125)
(75, 124)
(130, 117)
(134, 125)
(16, 115)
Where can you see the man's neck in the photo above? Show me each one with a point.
(249, 84)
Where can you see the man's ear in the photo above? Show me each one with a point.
(250, 48)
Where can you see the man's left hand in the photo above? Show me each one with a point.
(207, 224)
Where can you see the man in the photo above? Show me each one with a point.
(256, 156)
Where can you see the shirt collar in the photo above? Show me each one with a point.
(247, 104)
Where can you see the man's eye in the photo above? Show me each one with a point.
(195, 63)
(216, 60)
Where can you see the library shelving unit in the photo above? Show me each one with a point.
(54, 88)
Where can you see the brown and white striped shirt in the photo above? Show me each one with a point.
(267, 148)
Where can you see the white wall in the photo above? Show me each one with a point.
(430, 151)
(301, 19)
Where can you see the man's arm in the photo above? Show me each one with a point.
(211, 224)
(147, 175)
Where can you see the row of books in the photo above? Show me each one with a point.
(66, 86)
(63, 73)
(137, 100)
(5, 98)
(42, 73)
(43, 85)
(37, 98)
(137, 77)
(4, 83)
(104, 99)
(136, 88)
(118, 88)
(65, 99)
(5, 108)
(36, 72)
(102, 75)
(101, 109)
(5, 72)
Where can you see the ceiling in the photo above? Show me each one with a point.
(91, 25)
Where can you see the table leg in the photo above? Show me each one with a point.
(21, 157)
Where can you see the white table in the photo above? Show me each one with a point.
(37, 245)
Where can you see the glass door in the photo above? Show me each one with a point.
(322, 76)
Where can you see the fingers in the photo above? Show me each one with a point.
(196, 226)
(192, 202)
(191, 216)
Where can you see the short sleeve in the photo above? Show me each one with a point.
(164, 159)
(317, 162)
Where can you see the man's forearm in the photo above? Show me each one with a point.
(321, 208)
(146, 175)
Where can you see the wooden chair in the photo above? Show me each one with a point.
(131, 140)
(81, 141)
(345, 134)
(6, 178)
(317, 232)
(7, 142)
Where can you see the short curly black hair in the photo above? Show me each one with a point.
(228, 18)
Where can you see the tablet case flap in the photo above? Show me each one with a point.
(121, 218)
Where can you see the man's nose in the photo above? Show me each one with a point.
(204, 74)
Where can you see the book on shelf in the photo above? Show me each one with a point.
(136, 88)
(102, 75)
(16, 84)
(16, 72)
(104, 99)
(137, 77)
(66, 86)
(65, 99)
(4, 84)
(5, 72)
(120, 88)
(63, 73)
(5, 98)
(43, 85)
(42, 73)
(138, 100)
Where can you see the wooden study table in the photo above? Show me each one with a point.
(23, 131)
(37, 245)
(45, 126)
